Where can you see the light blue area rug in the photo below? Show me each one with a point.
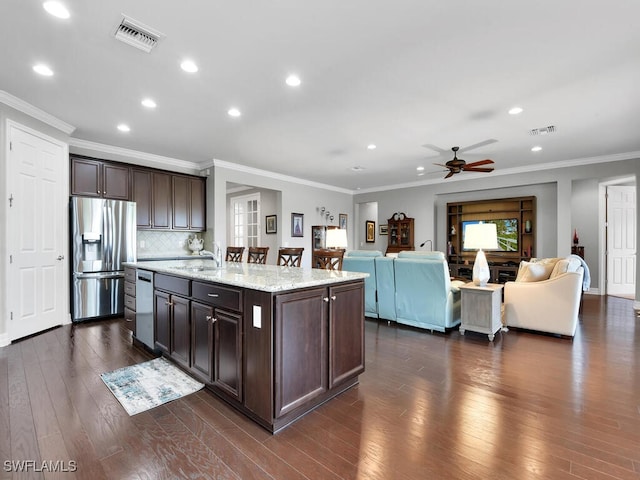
(149, 384)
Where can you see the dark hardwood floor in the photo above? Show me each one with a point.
(429, 406)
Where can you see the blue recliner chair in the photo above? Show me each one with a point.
(364, 261)
(386, 288)
(425, 295)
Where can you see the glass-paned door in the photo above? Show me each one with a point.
(245, 219)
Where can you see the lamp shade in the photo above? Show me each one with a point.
(336, 238)
(478, 236)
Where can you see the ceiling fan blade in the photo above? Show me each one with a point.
(435, 148)
(450, 174)
(441, 165)
(478, 145)
(480, 162)
(477, 169)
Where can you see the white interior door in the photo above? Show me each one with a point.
(621, 240)
(36, 237)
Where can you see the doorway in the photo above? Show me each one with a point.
(621, 240)
(37, 220)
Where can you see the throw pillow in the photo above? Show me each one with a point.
(534, 271)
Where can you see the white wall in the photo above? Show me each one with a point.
(305, 198)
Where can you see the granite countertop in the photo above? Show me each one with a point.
(267, 278)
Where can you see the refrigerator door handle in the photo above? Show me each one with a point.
(99, 275)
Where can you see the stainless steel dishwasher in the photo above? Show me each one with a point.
(144, 307)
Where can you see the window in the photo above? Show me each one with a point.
(245, 221)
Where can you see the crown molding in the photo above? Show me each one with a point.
(578, 162)
(156, 160)
(277, 176)
(35, 112)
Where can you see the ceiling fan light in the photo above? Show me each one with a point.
(537, 148)
(516, 111)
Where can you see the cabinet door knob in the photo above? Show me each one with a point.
(326, 299)
(209, 318)
(333, 297)
(98, 192)
(168, 303)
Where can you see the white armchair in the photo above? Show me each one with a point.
(550, 306)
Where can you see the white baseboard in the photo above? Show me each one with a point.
(636, 307)
(4, 339)
(592, 291)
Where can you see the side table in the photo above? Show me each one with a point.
(481, 309)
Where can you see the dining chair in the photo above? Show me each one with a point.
(290, 257)
(257, 255)
(328, 259)
(234, 254)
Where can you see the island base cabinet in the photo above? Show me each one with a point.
(227, 371)
(346, 333)
(301, 348)
(202, 340)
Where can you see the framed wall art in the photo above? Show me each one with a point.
(371, 231)
(271, 222)
(297, 225)
(342, 221)
(383, 229)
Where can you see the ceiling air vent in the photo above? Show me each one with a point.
(543, 130)
(137, 34)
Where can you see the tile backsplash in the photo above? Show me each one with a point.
(152, 243)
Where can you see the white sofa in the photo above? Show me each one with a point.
(545, 296)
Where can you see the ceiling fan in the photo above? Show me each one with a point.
(457, 165)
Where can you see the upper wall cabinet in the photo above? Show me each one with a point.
(188, 203)
(167, 201)
(164, 200)
(100, 179)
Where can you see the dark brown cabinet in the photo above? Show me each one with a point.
(180, 321)
(152, 194)
(100, 179)
(188, 203)
(162, 321)
(400, 233)
(515, 220)
(167, 201)
(130, 299)
(273, 355)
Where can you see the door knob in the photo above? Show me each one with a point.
(60, 257)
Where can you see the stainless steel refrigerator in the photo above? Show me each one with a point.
(103, 236)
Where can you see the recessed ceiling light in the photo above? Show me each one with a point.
(371, 146)
(357, 168)
(234, 112)
(189, 66)
(420, 169)
(124, 128)
(293, 81)
(56, 9)
(536, 148)
(43, 70)
(515, 111)
(149, 103)
(421, 174)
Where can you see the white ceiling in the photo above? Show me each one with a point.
(396, 73)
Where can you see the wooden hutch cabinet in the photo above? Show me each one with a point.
(400, 233)
(516, 223)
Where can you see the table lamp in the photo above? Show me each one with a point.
(336, 238)
(479, 236)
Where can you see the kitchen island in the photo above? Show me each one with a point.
(274, 342)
